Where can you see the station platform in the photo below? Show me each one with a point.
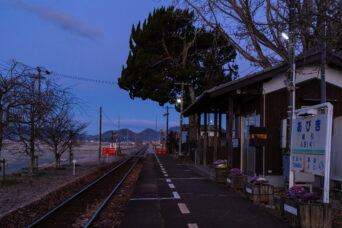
(169, 194)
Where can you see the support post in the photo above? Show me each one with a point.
(323, 58)
(205, 141)
(220, 124)
(100, 130)
(198, 153)
(167, 128)
(215, 137)
(229, 132)
(3, 169)
(291, 83)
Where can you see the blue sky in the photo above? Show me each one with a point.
(83, 38)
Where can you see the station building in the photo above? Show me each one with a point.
(261, 99)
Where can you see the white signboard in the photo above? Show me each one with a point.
(311, 143)
(308, 144)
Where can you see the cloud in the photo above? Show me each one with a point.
(66, 22)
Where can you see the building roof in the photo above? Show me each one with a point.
(311, 57)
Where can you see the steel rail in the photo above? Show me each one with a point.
(104, 203)
(42, 218)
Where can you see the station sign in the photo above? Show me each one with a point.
(309, 140)
(311, 143)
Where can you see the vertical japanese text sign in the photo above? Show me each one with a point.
(311, 140)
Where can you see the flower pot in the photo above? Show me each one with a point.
(307, 215)
(236, 183)
(260, 193)
(221, 175)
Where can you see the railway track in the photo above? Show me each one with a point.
(83, 208)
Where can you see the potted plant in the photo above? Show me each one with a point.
(221, 171)
(259, 191)
(304, 209)
(236, 180)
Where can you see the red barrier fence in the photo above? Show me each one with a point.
(160, 150)
(109, 151)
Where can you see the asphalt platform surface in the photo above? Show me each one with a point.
(168, 194)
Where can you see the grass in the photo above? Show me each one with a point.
(8, 182)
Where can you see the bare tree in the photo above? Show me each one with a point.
(27, 118)
(59, 131)
(12, 79)
(74, 136)
(254, 27)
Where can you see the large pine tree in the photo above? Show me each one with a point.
(166, 49)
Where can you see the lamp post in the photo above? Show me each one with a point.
(291, 81)
(180, 101)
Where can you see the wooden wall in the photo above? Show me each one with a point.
(276, 107)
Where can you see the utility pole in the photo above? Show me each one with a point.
(291, 81)
(119, 134)
(167, 120)
(181, 101)
(167, 126)
(40, 102)
(323, 55)
(112, 136)
(100, 129)
(156, 128)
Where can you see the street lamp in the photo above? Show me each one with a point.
(180, 101)
(285, 36)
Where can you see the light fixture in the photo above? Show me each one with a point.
(284, 35)
(179, 100)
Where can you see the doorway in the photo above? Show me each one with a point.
(248, 153)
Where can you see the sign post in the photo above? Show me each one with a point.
(311, 143)
(73, 167)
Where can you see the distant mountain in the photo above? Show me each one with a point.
(128, 135)
(149, 134)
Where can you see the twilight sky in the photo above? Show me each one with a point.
(84, 38)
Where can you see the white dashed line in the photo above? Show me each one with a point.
(171, 186)
(176, 195)
(168, 180)
(166, 175)
(183, 208)
(192, 225)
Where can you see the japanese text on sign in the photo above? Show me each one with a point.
(308, 144)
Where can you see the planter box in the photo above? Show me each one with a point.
(260, 193)
(221, 175)
(316, 215)
(237, 183)
(183, 159)
(279, 205)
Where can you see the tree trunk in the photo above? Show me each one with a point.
(1, 129)
(71, 155)
(193, 119)
(56, 157)
(32, 155)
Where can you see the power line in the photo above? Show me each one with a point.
(83, 78)
(5, 66)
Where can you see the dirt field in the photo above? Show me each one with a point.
(20, 188)
(16, 159)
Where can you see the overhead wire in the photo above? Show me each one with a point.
(5, 66)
